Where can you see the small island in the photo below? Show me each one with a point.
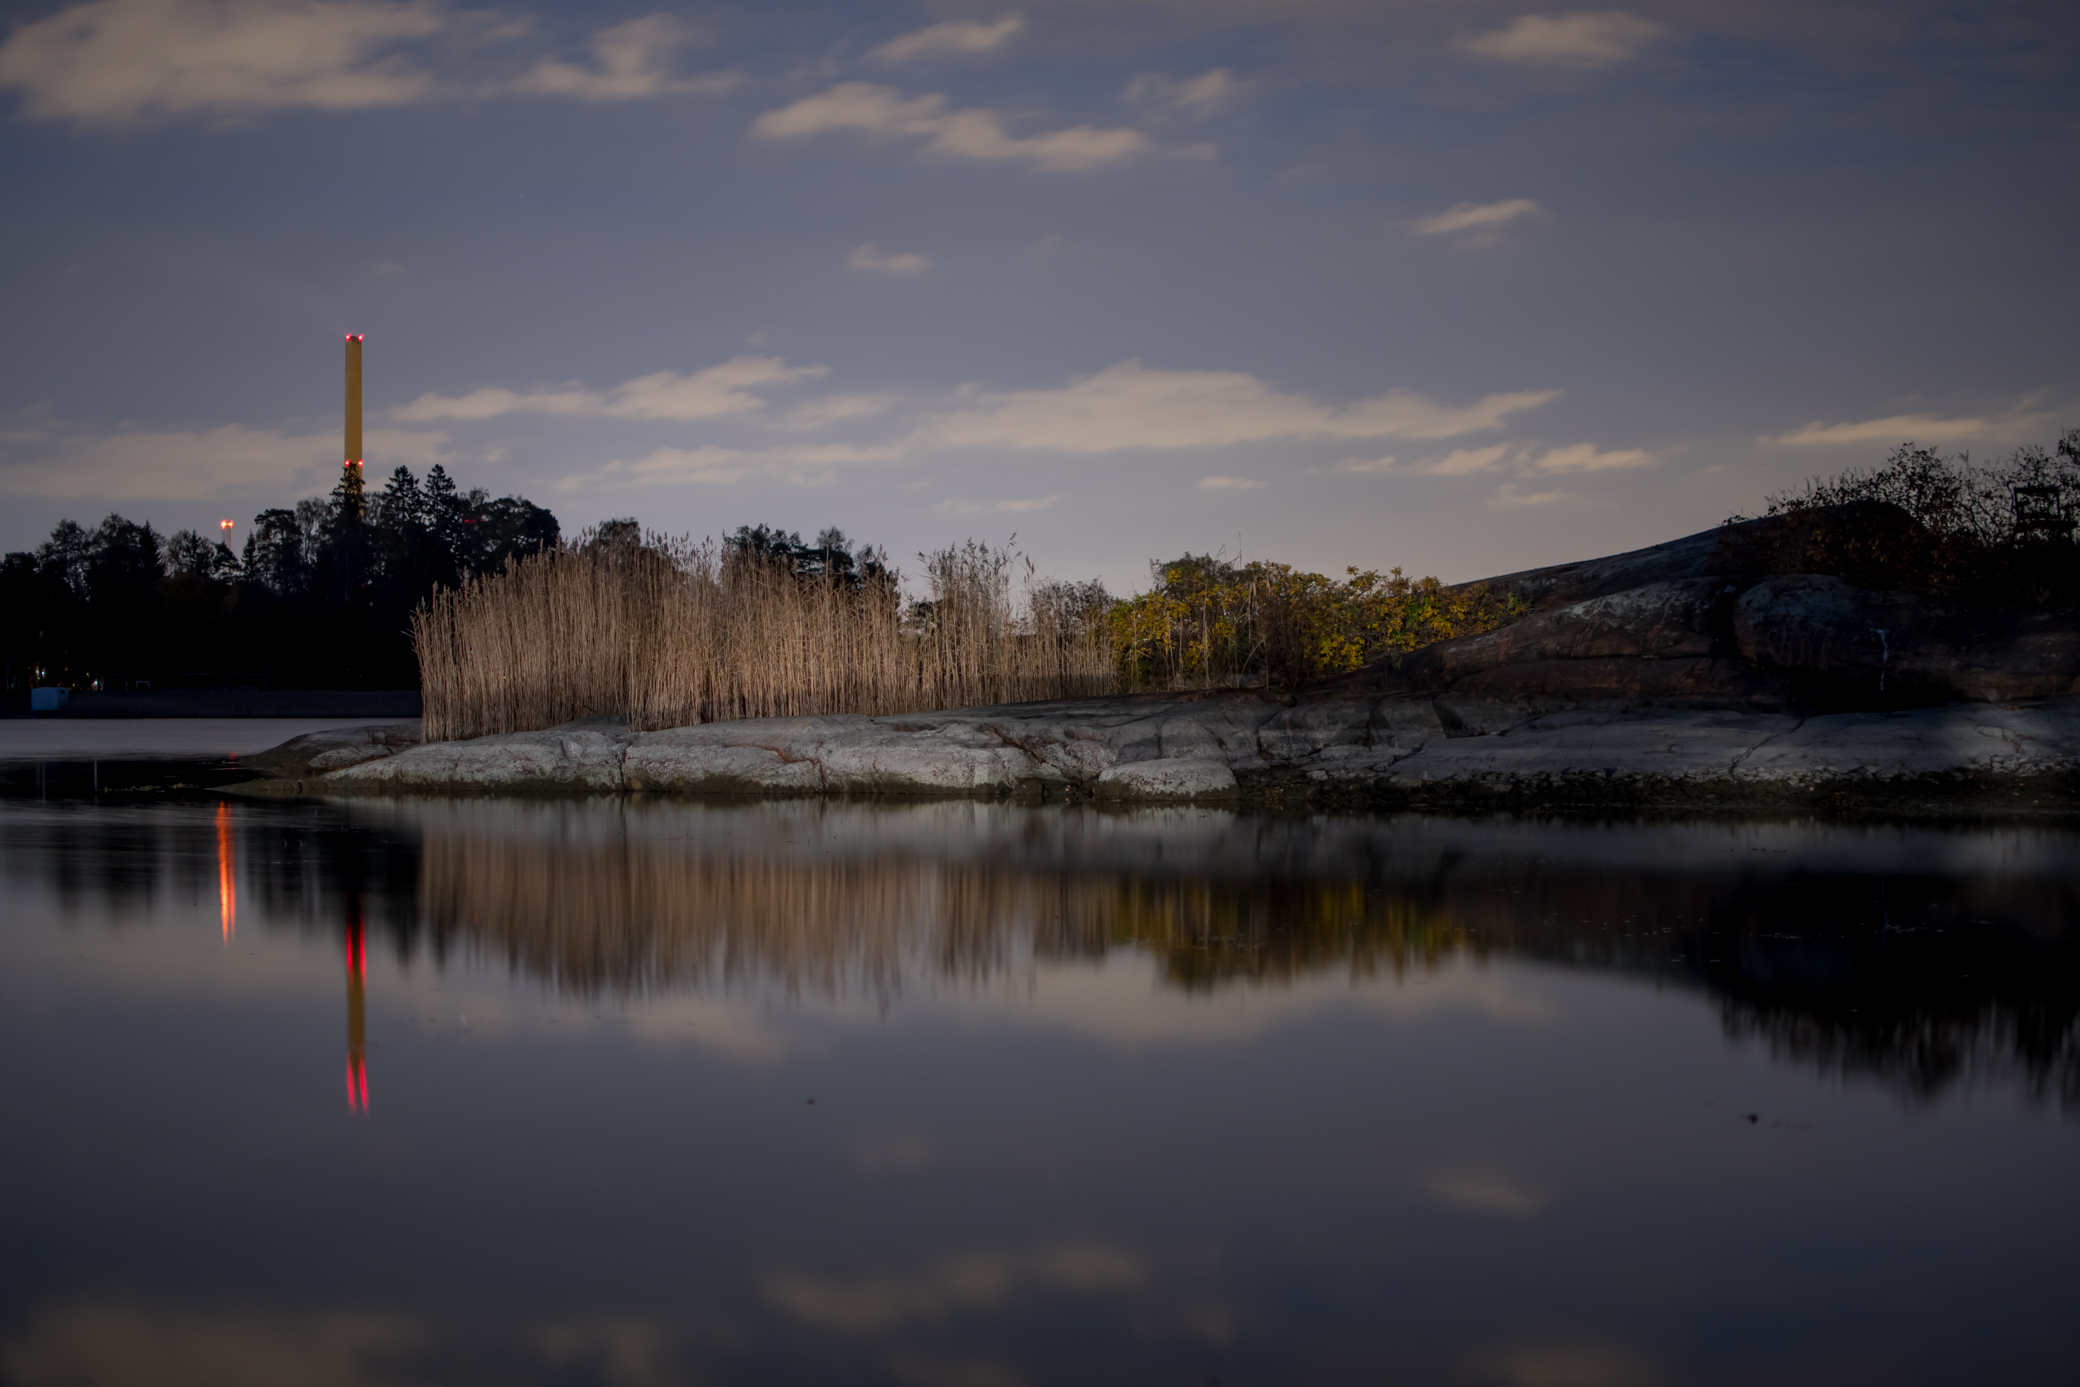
(1901, 640)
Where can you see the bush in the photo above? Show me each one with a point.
(1208, 621)
(1998, 535)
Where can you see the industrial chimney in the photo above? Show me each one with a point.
(354, 399)
(350, 484)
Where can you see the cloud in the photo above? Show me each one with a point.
(1483, 219)
(490, 403)
(1228, 483)
(91, 1341)
(1021, 507)
(955, 36)
(1571, 1365)
(1583, 40)
(632, 59)
(870, 257)
(1203, 95)
(109, 1341)
(1461, 461)
(1920, 428)
(708, 394)
(115, 62)
(971, 134)
(177, 465)
(197, 465)
(1509, 494)
(110, 63)
(807, 464)
(973, 1283)
(1133, 406)
(388, 448)
(1584, 457)
(832, 409)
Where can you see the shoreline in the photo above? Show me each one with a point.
(1342, 754)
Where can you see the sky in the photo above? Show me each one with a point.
(1459, 286)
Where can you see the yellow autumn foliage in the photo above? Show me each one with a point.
(1210, 621)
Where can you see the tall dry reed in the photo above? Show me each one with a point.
(667, 633)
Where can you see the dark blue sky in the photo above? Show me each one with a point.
(1459, 286)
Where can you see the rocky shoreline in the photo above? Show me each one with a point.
(1389, 753)
(1708, 673)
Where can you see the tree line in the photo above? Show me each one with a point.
(320, 596)
(1997, 534)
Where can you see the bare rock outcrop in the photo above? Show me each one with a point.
(315, 753)
(1727, 619)
(1396, 751)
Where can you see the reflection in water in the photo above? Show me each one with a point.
(357, 1009)
(227, 874)
(1927, 982)
(1161, 1096)
(1925, 958)
(1876, 966)
(636, 917)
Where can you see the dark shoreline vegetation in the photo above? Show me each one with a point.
(320, 597)
(507, 626)
(1983, 536)
(664, 632)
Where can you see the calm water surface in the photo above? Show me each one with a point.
(966, 1095)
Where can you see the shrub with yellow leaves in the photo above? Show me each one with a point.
(1209, 621)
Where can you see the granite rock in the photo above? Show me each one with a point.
(581, 756)
(334, 749)
(1183, 778)
(1403, 748)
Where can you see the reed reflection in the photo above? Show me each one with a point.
(1924, 981)
(1924, 959)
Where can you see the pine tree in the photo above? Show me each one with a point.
(347, 495)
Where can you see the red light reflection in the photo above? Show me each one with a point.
(357, 1018)
(227, 876)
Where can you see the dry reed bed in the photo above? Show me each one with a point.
(667, 633)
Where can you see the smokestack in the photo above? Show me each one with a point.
(353, 399)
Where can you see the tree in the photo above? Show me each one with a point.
(67, 554)
(832, 557)
(189, 554)
(322, 598)
(277, 555)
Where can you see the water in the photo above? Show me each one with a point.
(34, 740)
(641, 1093)
(42, 758)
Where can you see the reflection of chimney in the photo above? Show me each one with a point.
(357, 1010)
(227, 873)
